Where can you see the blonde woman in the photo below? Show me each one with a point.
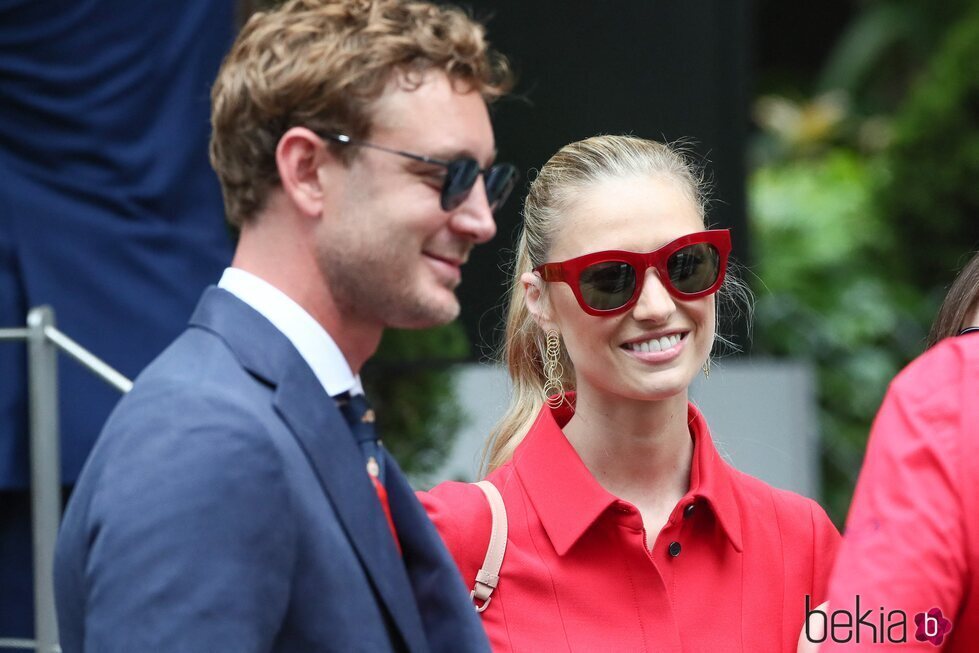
(627, 530)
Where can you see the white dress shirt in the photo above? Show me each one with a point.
(309, 338)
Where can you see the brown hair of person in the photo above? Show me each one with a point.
(960, 302)
(322, 64)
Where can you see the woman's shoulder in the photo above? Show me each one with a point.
(795, 516)
(782, 525)
(456, 502)
(461, 513)
(764, 508)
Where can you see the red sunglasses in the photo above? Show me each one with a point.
(608, 283)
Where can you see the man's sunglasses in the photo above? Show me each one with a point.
(609, 283)
(460, 174)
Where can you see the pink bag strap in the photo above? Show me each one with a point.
(489, 575)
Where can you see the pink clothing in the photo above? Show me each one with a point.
(912, 536)
(728, 572)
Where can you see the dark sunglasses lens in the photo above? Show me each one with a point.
(694, 268)
(500, 181)
(607, 285)
(459, 180)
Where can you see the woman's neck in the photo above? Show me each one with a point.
(640, 451)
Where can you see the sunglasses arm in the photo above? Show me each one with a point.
(551, 272)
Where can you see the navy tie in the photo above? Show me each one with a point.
(450, 622)
(360, 417)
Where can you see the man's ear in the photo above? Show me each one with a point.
(536, 300)
(299, 158)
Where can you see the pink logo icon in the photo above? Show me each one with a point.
(932, 626)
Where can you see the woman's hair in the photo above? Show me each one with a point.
(961, 300)
(574, 168)
(322, 64)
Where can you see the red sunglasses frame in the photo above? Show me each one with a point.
(570, 271)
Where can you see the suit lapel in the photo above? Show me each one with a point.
(451, 623)
(323, 434)
(339, 464)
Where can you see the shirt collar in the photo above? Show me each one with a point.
(556, 479)
(711, 479)
(309, 338)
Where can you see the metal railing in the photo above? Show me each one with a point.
(44, 341)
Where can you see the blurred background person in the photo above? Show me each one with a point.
(912, 538)
(109, 213)
(622, 513)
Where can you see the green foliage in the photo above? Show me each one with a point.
(931, 197)
(856, 247)
(824, 296)
(884, 47)
(410, 384)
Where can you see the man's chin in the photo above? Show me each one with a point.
(433, 309)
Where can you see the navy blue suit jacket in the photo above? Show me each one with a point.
(225, 507)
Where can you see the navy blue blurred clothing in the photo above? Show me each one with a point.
(109, 210)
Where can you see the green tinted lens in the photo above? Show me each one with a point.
(694, 268)
(607, 285)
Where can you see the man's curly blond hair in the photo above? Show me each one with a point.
(322, 64)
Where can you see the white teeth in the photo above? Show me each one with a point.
(656, 344)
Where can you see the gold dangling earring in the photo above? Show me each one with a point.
(553, 371)
(707, 369)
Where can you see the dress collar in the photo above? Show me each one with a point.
(556, 479)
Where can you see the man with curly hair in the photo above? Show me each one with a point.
(238, 499)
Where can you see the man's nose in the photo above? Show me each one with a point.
(474, 217)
